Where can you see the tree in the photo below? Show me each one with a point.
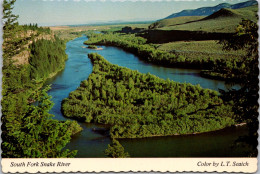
(116, 150)
(12, 42)
(246, 98)
(34, 134)
(9, 19)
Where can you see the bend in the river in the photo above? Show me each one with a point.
(90, 143)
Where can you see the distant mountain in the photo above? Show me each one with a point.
(206, 11)
(118, 22)
(223, 21)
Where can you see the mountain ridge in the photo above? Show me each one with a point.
(206, 11)
(225, 21)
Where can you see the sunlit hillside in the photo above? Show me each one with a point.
(224, 20)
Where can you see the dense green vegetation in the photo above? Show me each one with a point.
(227, 65)
(142, 105)
(28, 130)
(47, 57)
(246, 98)
(224, 20)
(116, 150)
(34, 27)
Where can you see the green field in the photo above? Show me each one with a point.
(225, 20)
(200, 49)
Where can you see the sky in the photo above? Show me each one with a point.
(70, 12)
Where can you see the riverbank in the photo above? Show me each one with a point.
(220, 76)
(203, 73)
(150, 54)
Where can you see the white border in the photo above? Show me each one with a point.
(249, 165)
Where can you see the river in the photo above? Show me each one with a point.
(93, 144)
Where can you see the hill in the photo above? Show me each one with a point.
(206, 11)
(224, 21)
(174, 21)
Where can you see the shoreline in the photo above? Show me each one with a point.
(169, 135)
(195, 133)
(96, 48)
(179, 65)
(100, 48)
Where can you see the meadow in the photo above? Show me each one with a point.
(201, 49)
(174, 21)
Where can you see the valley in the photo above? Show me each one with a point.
(109, 90)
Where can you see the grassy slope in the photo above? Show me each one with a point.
(225, 22)
(174, 21)
(202, 49)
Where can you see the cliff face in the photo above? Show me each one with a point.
(22, 58)
(30, 36)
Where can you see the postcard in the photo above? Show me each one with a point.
(120, 86)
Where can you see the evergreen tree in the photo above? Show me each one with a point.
(12, 41)
(34, 134)
(246, 99)
(116, 150)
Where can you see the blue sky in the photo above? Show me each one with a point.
(65, 12)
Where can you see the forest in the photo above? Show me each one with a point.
(140, 105)
(47, 57)
(213, 67)
(28, 130)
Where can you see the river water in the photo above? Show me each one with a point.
(90, 143)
